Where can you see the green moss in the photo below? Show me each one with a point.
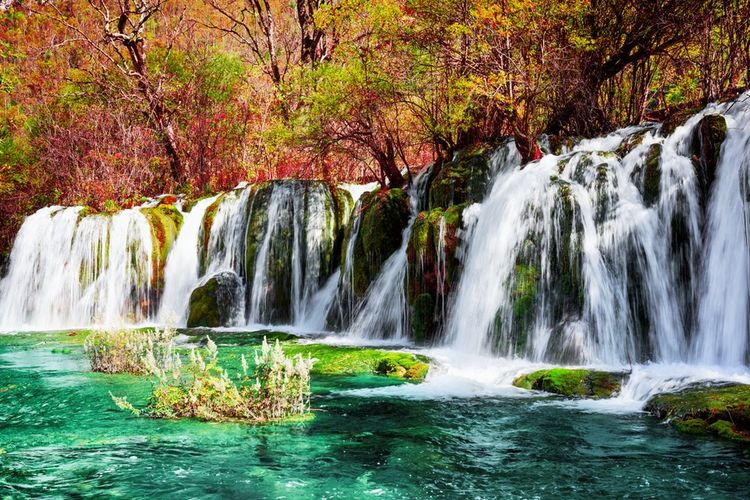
(580, 383)
(384, 215)
(165, 222)
(213, 304)
(337, 360)
(692, 426)
(464, 179)
(724, 410)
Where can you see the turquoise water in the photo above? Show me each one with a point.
(62, 436)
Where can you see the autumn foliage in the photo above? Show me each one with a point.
(107, 101)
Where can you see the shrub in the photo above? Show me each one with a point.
(128, 351)
(278, 389)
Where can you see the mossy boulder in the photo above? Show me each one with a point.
(384, 214)
(723, 411)
(433, 267)
(165, 221)
(205, 231)
(708, 136)
(647, 175)
(215, 303)
(463, 179)
(571, 382)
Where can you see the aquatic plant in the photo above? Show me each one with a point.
(277, 389)
(127, 350)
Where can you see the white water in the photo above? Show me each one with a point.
(383, 313)
(693, 301)
(181, 272)
(68, 271)
(725, 287)
(620, 250)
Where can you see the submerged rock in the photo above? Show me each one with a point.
(719, 410)
(215, 303)
(571, 382)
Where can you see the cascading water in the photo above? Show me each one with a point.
(181, 273)
(384, 313)
(70, 270)
(598, 255)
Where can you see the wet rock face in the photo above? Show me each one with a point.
(165, 221)
(433, 268)
(216, 302)
(707, 139)
(722, 411)
(384, 216)
(464, 179)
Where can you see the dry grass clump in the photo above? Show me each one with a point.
(278, 388)
(126, 351)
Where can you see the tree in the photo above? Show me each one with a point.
(122, 48)
(616, 35)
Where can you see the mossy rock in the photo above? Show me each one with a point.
(723, 411)
(205, 231)
(570, 382)
(214, 303)
(339, 360)
(629, 143)
(384, 216)
(651, 175)
(464, 179)
(165, 221)
(708, 136)
(433, 267)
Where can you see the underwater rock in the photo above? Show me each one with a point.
(215, 303)
(571, 382)
(723, 411)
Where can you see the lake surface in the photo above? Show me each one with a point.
(61, 435)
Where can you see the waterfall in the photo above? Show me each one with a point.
(605, 254)
(724, 311)
(618, 250)
(181, 273)
(383, 313)
(69, 270)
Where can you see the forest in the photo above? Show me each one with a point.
(105, 102)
